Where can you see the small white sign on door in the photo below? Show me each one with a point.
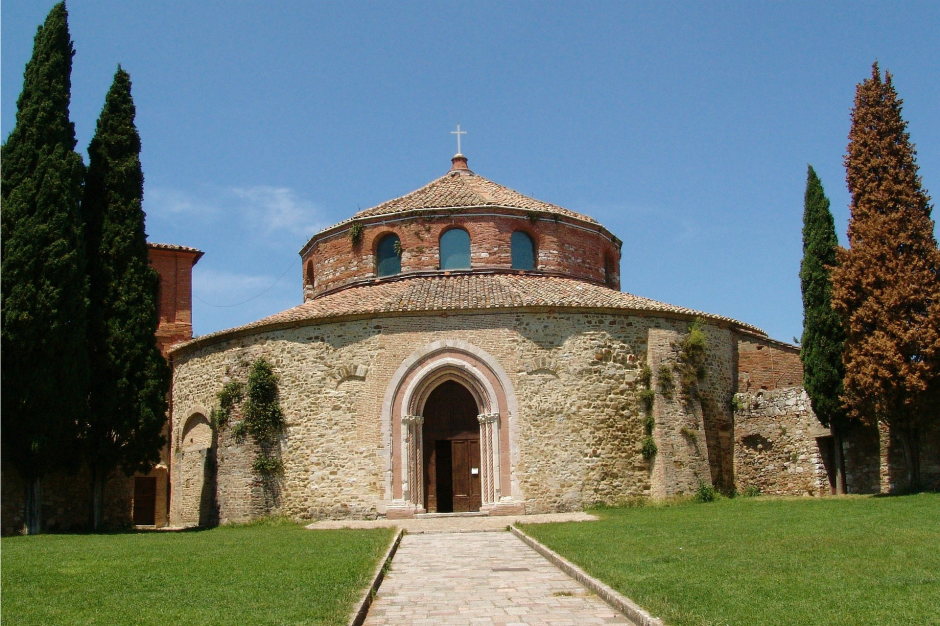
(474, 470)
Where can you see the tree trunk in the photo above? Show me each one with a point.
(910, 446)
(839, 460)
(33, 512)
(98, 479)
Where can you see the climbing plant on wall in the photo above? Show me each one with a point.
(261, 416)
(647, 397)
(690, 363)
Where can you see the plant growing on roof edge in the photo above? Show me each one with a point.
(355, 233)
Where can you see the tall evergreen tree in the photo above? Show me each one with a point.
(887, 286)
(44, 287)
(821, 344)
(129, 377)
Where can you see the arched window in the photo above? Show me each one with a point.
(455, 250)
(523, 251)
(308, 274)
(387, 259)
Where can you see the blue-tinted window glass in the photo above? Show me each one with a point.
(523, 251)
(455, 250)
(388, 263)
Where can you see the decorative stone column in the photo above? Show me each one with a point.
(412, 467)
(489, 451)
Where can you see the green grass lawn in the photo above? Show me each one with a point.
(275, 573)
(760, 561)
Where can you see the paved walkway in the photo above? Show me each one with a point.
(455, 524)
(480, 578)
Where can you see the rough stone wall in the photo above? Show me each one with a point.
(579, 422)
(692, 434)
(66, 501)
(560, 245)
(775, 447)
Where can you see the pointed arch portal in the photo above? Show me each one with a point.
(448, 420)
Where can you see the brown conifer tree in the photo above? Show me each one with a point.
(886, 287)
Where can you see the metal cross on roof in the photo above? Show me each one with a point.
(458, 132)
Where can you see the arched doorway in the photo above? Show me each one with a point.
(450, 383)
(196, 463)
(451, 437)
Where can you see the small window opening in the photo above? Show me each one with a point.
(523, 251)
(455, 250)
(388, 260)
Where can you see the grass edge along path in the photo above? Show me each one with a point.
(263, 573)
(779, 562)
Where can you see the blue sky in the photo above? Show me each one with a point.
(685, 128)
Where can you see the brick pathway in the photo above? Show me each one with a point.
(481, 578)
(455, 523)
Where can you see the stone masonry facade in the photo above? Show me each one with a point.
(578, 428)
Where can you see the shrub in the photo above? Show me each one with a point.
(647, 397)
(751, 491)
(704, 493)
(649, 447)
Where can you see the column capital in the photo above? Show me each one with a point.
(417, 420)
(487, 418)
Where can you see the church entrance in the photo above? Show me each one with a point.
(451, 434)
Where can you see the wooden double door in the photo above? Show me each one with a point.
(451, 450)
(453, 475)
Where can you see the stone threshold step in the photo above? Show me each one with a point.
(446, 515)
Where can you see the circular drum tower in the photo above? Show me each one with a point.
(461, 348)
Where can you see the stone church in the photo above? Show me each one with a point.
(468, 348)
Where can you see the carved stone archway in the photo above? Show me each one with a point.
(402, 421)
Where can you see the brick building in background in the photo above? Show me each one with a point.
(151, 495)
(140, 499)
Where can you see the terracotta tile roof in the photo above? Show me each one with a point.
(174, 247)
(461, 292)
(464, 189)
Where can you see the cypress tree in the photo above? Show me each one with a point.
(43, 267)
(129, 377)
(887, 286)
(821, 344)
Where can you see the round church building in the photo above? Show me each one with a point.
(464, 348)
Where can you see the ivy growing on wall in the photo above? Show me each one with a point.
(261, 417)
(690, 364)
(647, 397)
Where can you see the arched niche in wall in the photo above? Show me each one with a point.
(523, 251)
(387, 257)
(308, 274)
(455, 249)
(610, 269)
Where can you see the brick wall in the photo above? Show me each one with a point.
(176, 294)
(767, 364)
(562, 246)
